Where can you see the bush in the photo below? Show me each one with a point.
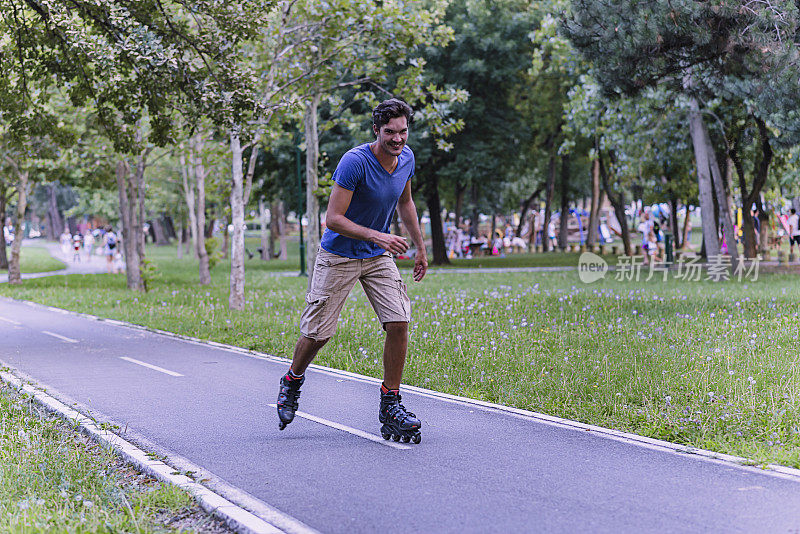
(214, 255)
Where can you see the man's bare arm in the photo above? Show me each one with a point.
(335, 220)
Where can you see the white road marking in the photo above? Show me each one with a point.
(351, 430)
(59, 336)
(151, 366)
(10, 321)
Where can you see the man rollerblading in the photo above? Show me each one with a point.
(371, 181)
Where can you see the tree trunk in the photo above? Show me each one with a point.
(312, 183)
(475, 222)
(722, 200)
(701, 153)
(128, 196)
(673, 221)
(3, 199)
(753, 196)
(548, 200)
(226, 239)
(266, 237)
(236, 296)
(435, 209)
(180, 236)
(279, 222)
(594, 208)
(459, 210)
(55, 222)
(139, 228)
(169, 227)
(14, 273)
(190, 186)
(199, 208)
(763, 227)
(563, 233)
(685, 233)
(617, 202)
(526, 206)
(161, 238)
(749, 234)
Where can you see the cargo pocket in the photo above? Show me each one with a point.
(313, 320)
(405, 301)
(328, 259)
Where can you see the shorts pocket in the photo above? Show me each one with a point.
(404, 299)
(328, 259)
(312, 322)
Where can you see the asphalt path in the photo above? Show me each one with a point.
(478, 469)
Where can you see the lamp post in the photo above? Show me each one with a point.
(300, 203)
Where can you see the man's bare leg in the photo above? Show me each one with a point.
(397, 422)
(394, 354)
(305, 351)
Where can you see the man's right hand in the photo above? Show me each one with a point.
(394, 244)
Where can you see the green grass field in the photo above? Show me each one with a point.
(35, 259)
(53, 479)
(712, 365)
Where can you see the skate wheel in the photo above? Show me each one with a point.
(416, 439)
(281, 425)
(385, 436)
(395, 437)
(405, 439)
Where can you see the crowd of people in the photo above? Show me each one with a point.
(461, 243)
(81, 246)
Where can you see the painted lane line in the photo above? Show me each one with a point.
(151, 366)
(59, 336)
(351, 430)
(15, 323)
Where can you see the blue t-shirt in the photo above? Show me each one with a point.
(375, 196)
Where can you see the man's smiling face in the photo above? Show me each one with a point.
(393, 136)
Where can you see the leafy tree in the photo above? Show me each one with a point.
(134, 62)
(699, 49)
(490, 51)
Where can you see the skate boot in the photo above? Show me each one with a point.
(398, 423)
(287, 398)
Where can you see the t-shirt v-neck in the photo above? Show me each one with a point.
(396, 160)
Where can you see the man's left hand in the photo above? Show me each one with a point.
(420, 266)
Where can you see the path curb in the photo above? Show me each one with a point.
(235, 517)
(746, 464)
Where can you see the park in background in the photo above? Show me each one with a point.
(195, 125)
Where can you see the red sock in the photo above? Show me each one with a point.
(291, 376)
(386, 390)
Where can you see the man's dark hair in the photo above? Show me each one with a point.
(391, 109)
(794, 211)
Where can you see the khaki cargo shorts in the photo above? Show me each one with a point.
(334, 278)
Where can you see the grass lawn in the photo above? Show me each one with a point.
(35, 260)
(53, 479)
(712, 365)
